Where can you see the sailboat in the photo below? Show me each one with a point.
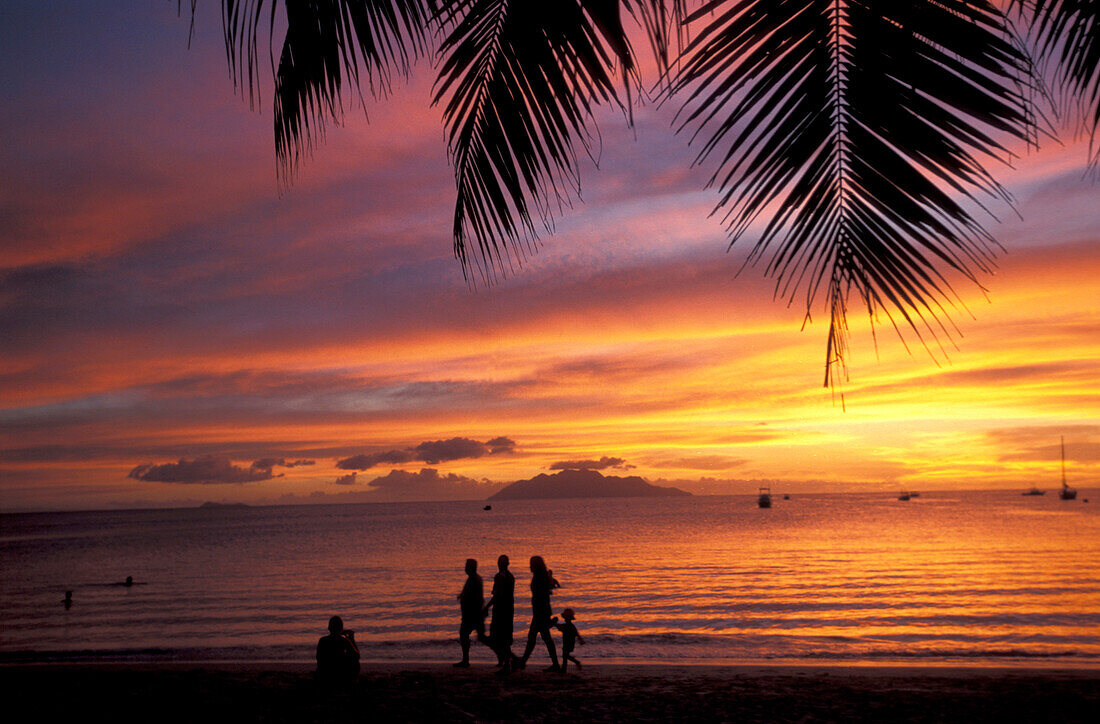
(1067, 492)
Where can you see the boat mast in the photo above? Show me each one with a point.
(1064, 462)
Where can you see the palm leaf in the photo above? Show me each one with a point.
(520, 81)
(1067, 32)
(662, 22)
(858, 128)
(328, 43)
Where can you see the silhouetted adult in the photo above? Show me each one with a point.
(503, 602)
(337, 655)
(542, 583)
(472, 603)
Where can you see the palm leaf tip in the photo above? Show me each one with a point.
(328, 45)
(1067, 37)
(866, 125)
(519, 82)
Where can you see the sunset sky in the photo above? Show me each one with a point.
(170, 315)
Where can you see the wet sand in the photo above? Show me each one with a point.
(601, 693)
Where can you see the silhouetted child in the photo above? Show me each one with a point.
(472, 603)
(569, 638)
(337, 655)
(68, 600)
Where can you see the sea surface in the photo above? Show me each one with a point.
(975, 578)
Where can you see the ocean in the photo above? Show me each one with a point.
(987, 578)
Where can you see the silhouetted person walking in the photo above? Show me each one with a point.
(337, 655)
(503, 602)
(472, 603)
(542, 583)
(569, 638)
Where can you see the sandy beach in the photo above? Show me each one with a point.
(438, 692)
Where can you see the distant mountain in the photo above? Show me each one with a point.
(583, 484)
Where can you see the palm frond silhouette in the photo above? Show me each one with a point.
(849, 138)
(522, 79)
(1066, 34)
(850, 122)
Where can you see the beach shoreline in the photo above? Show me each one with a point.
(283, 691)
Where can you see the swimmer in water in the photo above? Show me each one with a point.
(68, 600)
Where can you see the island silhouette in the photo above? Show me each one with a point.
(584, 484)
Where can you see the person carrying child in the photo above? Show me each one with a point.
(569, 638)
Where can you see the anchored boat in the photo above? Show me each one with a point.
(765, 498)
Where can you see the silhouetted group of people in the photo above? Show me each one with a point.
(502, 602)
(338, 655)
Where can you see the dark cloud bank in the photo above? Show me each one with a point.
(603, 463)
(430, 452)
(426, 485)
(212, 470)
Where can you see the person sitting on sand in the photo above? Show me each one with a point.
(569, 637)
(472, 603)
(503, 602)
(337, 655)
(542, 584)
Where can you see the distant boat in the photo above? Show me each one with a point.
(487, 507)
(1034, 491)
(1067, 492)
(904, 496)
(765, 499)
(786, 497)
(913, 494)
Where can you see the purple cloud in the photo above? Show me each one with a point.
(456, 448)
(500, 445)
(209, 469)
(269, 463)
(365, 462)
(603, 463)
(348, 479)
(431, 452)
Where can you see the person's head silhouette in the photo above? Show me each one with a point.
(538, 565)
(502, 563)
(471, 566)
(335, 625)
